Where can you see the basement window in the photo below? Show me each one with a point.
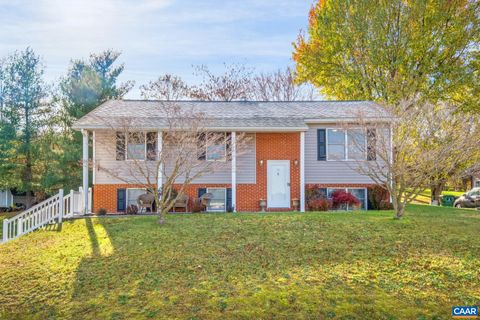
(218, 201)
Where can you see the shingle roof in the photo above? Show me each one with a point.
(246, 115)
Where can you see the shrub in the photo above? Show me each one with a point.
(315, 192)
(316, 199)
(132, 209)
(385, 205)
(341, 199)
(321, 204)
(102, 211)
(376, 196)
(197, 205)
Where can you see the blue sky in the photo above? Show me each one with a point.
(155, 36)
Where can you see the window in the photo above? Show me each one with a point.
(218, 201)
(346, 144)
(356, 144)
(474, 192)
(136, 146)
(477, 184)
(216, 147)
(132, 195)
(359, 193)
(335, 144)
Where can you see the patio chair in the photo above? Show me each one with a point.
(205, 198)
(145, 201)
(181, 202)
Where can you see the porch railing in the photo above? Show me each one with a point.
(51, 210)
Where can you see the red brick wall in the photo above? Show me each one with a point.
(105, 196)
(269, 146)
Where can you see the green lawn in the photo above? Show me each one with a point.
(247, 266)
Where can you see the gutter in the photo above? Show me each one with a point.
(229, 129)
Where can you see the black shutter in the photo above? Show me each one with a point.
(151, 146)
(371, 144)
(201, 147)
(201, 191)
(229, 206)
(121, 199)
(321, 145)
(228, 145)
(120, 150)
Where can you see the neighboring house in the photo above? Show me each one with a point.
(6, 198)
(293, 145)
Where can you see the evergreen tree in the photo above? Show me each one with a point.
(22, 98)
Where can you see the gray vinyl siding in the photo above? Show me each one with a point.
(108, 170)
(328, 172)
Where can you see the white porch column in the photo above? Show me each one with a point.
(302, 171)
(94, 158)
(234, 171)
(160, 159)
(85, 171)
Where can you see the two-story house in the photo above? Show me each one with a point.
(293, 145)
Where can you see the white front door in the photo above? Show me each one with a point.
(278, 183)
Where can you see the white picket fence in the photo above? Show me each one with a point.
(52, 210)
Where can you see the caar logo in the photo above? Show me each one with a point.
(465, 312)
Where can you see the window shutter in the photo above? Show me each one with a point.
(321, 145)
(201, 147)
(228, 145)
(121, 199)
(120, 149)
(229, 206)
(151, 146)
(201, 191)
(371, 144)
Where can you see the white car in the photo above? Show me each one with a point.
(471, 199)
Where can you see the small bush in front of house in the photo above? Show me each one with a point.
(101, 211)
(132, 209)
(377, 196)
(316, 199)
(197, 205)
(385, 205)
(321, 204)
(314, 192)
(342, 199)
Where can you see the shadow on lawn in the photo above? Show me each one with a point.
(113, 272)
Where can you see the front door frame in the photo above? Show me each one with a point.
(273, 162)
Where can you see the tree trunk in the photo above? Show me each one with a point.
(161, 218)
(398, 206)
(400, 211)
(436, 191)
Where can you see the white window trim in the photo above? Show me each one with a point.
(225, 198)
(345, 145)
(365, 201)
(126, 195)
(224, 159)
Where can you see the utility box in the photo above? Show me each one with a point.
(447, 200)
